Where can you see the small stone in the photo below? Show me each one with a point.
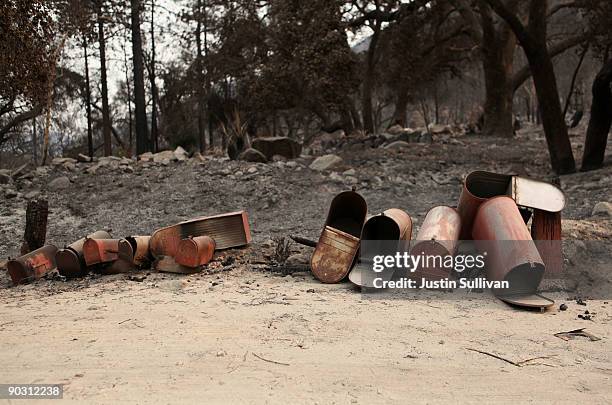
(180, 154)
(10, 193)
(59, 183)
(349, 172)
(32, 195)
(563, 307)
(325, 162)
(128, 169)
(297, 259)
(83, 158)
(603, 208)
(252, 170)
(397, 145)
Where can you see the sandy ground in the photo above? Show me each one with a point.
(253, 336)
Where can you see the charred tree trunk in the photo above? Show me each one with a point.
(368, 83)
(200, 83)
(533, 40)
(401, 105)
(498, 45)
(129, 102)
(106, 122)
(36, 225)
(142, 136)
(601, 120)
(154, 134)
(90, 150)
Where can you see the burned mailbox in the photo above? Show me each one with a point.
(337, 247)
(228, 230)
(135, 250)
(383, 234)
(70, 260)
(33, 265)
(195, 251)
(99, 251)
(438, 236)
(511, 255)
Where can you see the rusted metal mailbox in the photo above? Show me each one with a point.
(339, 241)
(511, 255)
(135, 250)
(97, 251)
(438, 236)
(228, 230)
(478, 186)
(195, 251)
(383, 234)
(70, 260)
(33, 265)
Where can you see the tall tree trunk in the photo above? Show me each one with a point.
(90, 150)
(368, 83)
(200, 83)
(154, 135)
(498, 46)
(401, 105)
(106, 122)
(142, 136)
(600, 121)
(129, 103)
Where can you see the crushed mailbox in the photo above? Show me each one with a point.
(493, 210)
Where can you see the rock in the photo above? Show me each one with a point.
(19, 171)
(59, 183)
(198, 157)
(397, 145)
(395, 129)
(61, 160)
(325, 162)
(146, 157)
(181, 154)
(252, 170)
(164, 156)
(334, 176)
(603, 208)
(128, 169)
(280, 145)
(93, 169)
(84, 158)
(440, 129)
(69, 166)
(252, 155)
(279, 158)
(297, 259)
(291, 164)
(10, 193)
(349, 172)
(32, 195)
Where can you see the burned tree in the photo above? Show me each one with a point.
(142, 132)
(532, 38)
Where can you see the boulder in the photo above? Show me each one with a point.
(325, 162)
(283, 146)
(603, 208)
(252, 155)
(59, 183)
(437, 129)
(164, 156)
(395, 129)
(146, 157)
(84, 158)
(61, 160)
(180, 154)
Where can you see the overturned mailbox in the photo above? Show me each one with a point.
(378, 233)
(70, 260)
(338, 244)
(135, 250)
(33, 265)
(195, 251)
(479, 186)
(512, 256)
(99, 251)
(228, 231)
(438, 236)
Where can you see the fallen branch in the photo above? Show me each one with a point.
(494, 356)
(303, 241)
(270, 361)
